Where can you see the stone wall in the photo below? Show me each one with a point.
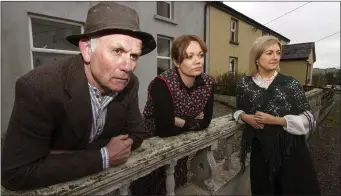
(214, 163)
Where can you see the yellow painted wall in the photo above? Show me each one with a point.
(220, 48)
(298, 69)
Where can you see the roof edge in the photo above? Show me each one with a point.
(295, 59)
(312, 49)
(301, 43)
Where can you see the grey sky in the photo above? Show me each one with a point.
(309, 23)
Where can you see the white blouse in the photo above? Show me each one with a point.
(296, 124)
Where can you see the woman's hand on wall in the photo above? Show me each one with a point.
(251, 120)
(265, 118)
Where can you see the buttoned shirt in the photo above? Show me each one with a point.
(99, 105)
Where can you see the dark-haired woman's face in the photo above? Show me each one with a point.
(193, 63)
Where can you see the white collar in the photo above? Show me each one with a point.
(259, 77)
(264, 82)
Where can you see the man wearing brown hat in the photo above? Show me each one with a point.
(81, 115)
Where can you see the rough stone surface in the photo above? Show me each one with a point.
(219, 110)
(152, 154)
(190, 189)
(219, 184)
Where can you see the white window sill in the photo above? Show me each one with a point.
(158, 17)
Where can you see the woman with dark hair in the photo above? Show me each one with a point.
(179, 99)
(277, 117)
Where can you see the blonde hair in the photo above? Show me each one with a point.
(259, 46)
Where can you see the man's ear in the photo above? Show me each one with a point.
(84, 47)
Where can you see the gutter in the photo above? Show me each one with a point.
(294, 59)
(206, 38)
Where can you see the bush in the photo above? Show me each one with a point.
(225, 84)
(319, 80)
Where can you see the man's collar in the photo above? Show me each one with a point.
(109, 93)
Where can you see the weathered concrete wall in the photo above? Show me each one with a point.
(153, 153)
(210, 176)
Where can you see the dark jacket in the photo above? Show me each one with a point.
(52, 111)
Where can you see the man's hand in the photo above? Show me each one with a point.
(265, 118)
(251, 120)
(200, 116)
(119, 149)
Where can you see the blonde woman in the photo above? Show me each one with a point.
(277, 117)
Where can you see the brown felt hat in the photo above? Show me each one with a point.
(111, 18)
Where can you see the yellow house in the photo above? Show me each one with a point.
(298, 61)
(229, 35)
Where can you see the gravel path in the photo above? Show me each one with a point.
(325, 150)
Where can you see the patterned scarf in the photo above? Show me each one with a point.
(186, 104)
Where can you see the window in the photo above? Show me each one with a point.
(163, 53)
(308, 73)
(233, 64)
(47, 39)
(234, 31)
(164, 8)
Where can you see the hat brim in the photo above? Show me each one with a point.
(148, 41)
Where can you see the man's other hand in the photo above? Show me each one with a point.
(119, 149)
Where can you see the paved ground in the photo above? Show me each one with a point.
(220, 110)
(337, 97)
(325, 150)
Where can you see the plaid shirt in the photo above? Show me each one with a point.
(99, 105)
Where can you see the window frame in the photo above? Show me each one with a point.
(170, 46)
(170, 3)
(47, 50)
(308, 72)
(234, 66)
(234, 39)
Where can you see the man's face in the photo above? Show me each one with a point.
(113, 60)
